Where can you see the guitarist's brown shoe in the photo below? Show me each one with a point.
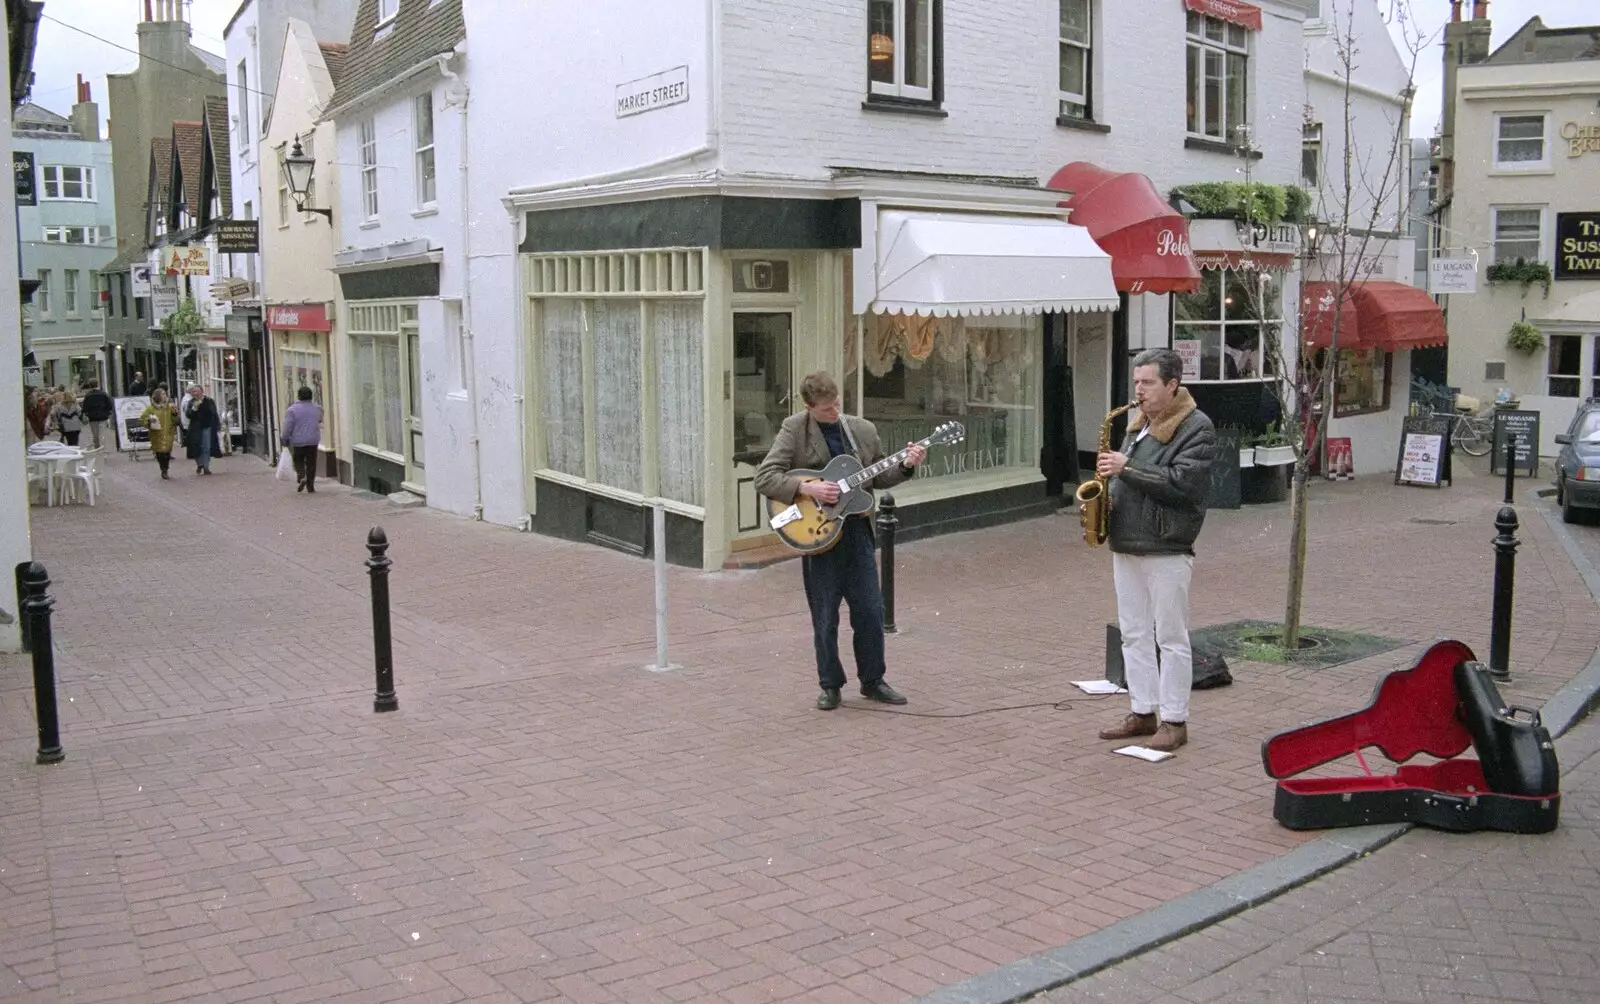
(1132, 727)
(828, 699)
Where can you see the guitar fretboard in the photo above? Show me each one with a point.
(866, 474)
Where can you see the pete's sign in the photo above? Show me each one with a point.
(1581, 139)
(1578, 245)
(1274, 238)
(1169, 243)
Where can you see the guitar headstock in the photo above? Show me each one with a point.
(947, 432)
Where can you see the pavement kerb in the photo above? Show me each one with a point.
(1081, 957)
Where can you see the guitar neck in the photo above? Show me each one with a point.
(866, 474)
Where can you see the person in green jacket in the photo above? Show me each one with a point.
(161, 421)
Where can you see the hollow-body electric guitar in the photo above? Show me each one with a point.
(812, 527)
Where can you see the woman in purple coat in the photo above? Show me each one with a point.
(302, 431)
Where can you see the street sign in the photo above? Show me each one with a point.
(230, 288)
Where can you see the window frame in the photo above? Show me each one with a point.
(85, 183)
(368, 138)
(98, 283)
(1346, 359)
(1576, 376)
(243, 86)
(1222, 324)
(1517, 166)
(41, 294)
(1311, 142)
(91, 235)
(428, 199)
(69, 291)
(384, 19)
(405, 322)
(1086, 97)
(1494, 232)
(896, 91)
(284, 198)
(1196, 48)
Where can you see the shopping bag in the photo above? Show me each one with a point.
(286, 466)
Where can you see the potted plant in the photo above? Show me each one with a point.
(1247, 449)
(1524, 338)
(1275, 447)
(1521, 271)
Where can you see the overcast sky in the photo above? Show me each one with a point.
(63, 52)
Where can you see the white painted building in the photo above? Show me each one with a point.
(716, 198)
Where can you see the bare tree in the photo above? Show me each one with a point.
(1354, 203)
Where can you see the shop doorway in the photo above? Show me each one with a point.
(416, 477)
(764, 393)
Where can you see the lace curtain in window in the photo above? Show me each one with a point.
(387, 351)
(679, 333)
(562, 389)
(618, 391)
(366, 392)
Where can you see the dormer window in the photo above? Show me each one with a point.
(387, 10)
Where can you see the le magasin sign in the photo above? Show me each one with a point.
(1578, 245)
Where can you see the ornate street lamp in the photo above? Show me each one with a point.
(298, 169)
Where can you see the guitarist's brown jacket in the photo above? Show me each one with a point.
(801, 445)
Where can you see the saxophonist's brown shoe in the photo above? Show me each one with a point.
(1169, 737)
(1132, 727)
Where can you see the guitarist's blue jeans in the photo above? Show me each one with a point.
(848, 571)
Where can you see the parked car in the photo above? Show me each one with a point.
(1578, 463)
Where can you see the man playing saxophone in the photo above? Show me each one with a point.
(1159, 483)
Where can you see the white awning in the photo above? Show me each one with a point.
(969, 263)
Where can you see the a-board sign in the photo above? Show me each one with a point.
(1424, 451)
(1524, 425)
(1225, 488)
(1341, 458)
(132, 436)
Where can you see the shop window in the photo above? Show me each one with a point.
(302, 367)
(562, 392)
(618, 393)
(1361, 384)
(377, 365)
(1519, 142)
(1564, 367)
(1076, 60)
(901, 61)
(1518, 233)
(983, 372)
(1217, 71)
(1229, 329)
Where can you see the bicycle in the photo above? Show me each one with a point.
(1473, 433)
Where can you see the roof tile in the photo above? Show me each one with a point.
(419, 30)
(186, 149)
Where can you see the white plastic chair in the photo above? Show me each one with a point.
(85, 473)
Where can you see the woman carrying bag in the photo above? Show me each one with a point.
(203, 437)
(161, 422)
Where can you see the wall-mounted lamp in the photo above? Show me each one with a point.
(298, 170)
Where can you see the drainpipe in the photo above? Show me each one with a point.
(456, 95)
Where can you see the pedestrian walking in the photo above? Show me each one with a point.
(136, 388)
(66, 417)
(97, 411)
(849, 570)
(1159, 482)
(161, 423)
(302, 432)
(202, 434)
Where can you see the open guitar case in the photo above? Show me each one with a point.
(1442, 706)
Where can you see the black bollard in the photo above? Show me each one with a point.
(887, 524)
(1511, 467)
(1505, 570)
(36, 609)
(384, 698)
(22, 615)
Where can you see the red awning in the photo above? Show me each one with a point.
(1245, 15)
(1148, 240)
(1388, 316)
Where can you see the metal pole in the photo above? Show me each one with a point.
(1505, 569)
(383, 699)
(887, 525)
(658, 547)
(1511, 466)
(22, 615)
(36, 611)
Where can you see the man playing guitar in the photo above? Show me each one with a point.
(848, 570)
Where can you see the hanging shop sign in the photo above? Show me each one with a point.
(237, 236)
(191, 260)
(23, 174)
(298, 317)
(1578, 246)
(139, 278)
(1453, 275)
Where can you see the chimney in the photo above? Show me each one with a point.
(1455, 11)
(85, 114)
(1480, 10)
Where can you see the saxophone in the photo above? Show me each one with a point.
(1094, 495)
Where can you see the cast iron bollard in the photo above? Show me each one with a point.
(384, 698)
(1505, 569)
(1511, 467)
(887, 524)
(36, 614)
(22, 615)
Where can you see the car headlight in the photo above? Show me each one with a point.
(1588, 474)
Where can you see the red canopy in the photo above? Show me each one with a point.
(1376, 314)
(1245, 15)
(1148, 240)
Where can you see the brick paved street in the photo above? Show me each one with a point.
(546, 819)
(1433, 917)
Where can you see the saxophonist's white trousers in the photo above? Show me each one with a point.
(1152, 612)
